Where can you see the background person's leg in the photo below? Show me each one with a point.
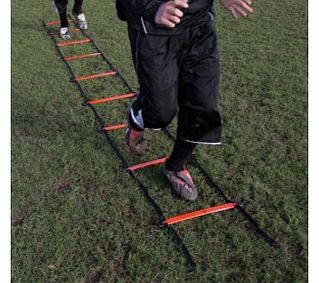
(62, 8)
(77, 8)
(78, 14)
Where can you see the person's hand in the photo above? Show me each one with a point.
(169, 14)
(238, 8)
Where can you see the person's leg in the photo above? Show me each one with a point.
(62, 8)
(156, 68)
(199, 119)
(178, 176)
(181, 153)
(175, 166)
(79, 15)
(77, 8)
(157, 75)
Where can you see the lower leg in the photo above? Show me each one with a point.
(178, 176)
(133, 124)
(77, 8)
(62, 5)
(181, 153)
(134, 135)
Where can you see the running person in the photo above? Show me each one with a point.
(61, 6)
(174, 50)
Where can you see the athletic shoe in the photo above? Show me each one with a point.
(134, 139)
(80, 20)
(65, 33)
(182, 183)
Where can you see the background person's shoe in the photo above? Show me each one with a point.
(80, 20)
(182, 183)
(65, 33)
(134, 139)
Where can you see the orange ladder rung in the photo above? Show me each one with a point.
(113, 127)
(111, 98)
(99, 75)
(73, 42)
(52, 23)
(147, 164)
(198, 213)
(56, 22)
(81, 56)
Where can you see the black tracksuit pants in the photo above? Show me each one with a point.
(62, 5)
(178, 73)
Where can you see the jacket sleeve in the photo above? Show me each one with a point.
(133, 10)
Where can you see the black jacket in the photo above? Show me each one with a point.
(140, 14)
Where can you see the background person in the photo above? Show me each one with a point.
(61, 6)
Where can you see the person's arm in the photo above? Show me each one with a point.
(133, 10)
(238, 8)
(167, 14)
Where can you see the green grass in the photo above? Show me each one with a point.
(76, 216)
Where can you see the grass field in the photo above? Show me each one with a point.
(78, 217)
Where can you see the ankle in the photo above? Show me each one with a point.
(169, 166)
(133, 124)
(78, 12)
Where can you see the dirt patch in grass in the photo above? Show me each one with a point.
(94, 276)
(60, 186)
(19, 216)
